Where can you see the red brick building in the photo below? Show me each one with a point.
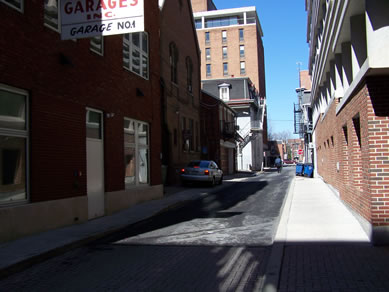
(180, 79)
(218, 132)
(80, 132)
(350, 104)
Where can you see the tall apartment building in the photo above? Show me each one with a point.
(349, 65)
(231, 47)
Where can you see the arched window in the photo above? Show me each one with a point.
(173, 62)
(189, 74)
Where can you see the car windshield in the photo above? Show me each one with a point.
(198, 164)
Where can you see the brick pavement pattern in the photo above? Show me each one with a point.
(114, 267)
(334, 267)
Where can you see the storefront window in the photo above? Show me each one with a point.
(136, 152)
(13, 145)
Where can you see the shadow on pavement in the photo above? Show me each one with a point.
(213, 205)
(334, 266)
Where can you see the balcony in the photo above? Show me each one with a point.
(256, 126)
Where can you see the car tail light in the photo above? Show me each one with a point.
(206, 172)
(183, 170)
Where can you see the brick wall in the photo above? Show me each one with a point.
(378, 131)
(353, 153)
(177, 26)
(32, 58)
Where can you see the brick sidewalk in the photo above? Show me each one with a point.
(334, 267)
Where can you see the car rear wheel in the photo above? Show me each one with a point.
(221, 180)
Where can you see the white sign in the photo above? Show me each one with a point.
(88, 18)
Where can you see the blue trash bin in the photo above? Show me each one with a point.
(299, 169)
(308, 170)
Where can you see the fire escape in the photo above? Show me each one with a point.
(298, 120)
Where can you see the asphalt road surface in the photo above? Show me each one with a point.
(218, 243)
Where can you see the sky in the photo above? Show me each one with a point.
(284, 25)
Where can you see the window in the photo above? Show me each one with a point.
(13, 145)
(189, 74)
(225, 55)
(208, 70)
(97, 45)
(207, 40)
(241, 35)
(191, 135)
(224, 93)
(136, 152)
(51, 15)
(223, 21)
(136, 53)
(197, 137)
(94, 125)
(208, 54)
(242, 68)
(173, 62)
(224, 36)
(185, 135)
(225, 69)
(17, 4)
(198, 23)
(241, 51)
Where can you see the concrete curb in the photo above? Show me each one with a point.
(273, 269)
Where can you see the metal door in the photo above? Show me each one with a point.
(95, 163)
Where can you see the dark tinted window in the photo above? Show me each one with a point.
(201, 164)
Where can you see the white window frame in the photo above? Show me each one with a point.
(21, 9)
(127, 43)
(58, 28)
(207, 54)
(243, 68)
(137, 147)
(93, 47)
(225, 52)
(224, 93)
(20, 134)
(224, 36)
(242, 52)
